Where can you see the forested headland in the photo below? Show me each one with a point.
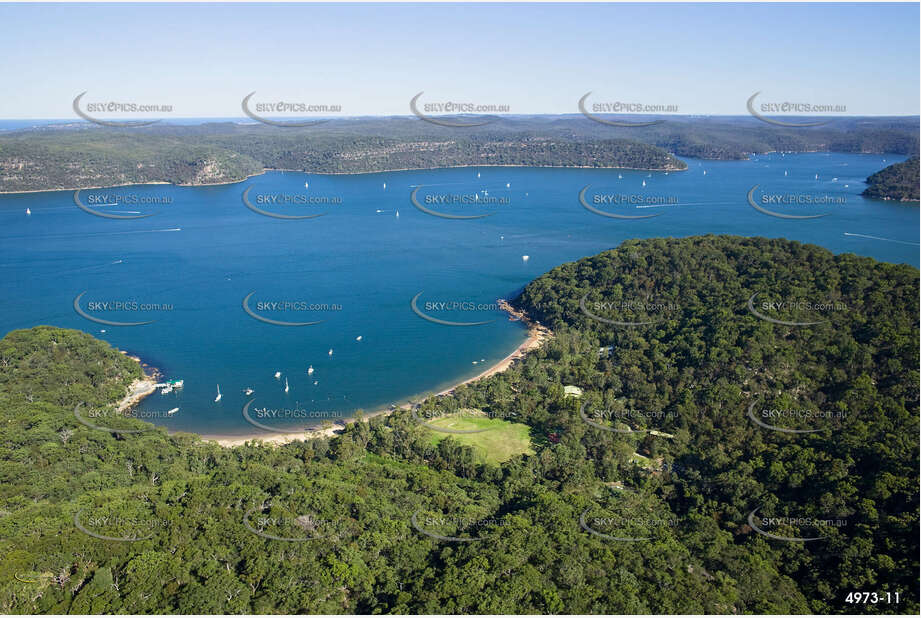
(745, 441)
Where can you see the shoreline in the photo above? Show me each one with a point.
(140, 388)
(537, 336)
(404, 169)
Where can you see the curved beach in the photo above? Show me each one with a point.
(537, 335)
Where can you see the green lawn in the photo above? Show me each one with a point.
(501, 442)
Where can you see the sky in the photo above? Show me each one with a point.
(371, 59)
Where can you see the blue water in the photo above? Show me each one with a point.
(202, 253)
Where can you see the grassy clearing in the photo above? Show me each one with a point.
(500, 442)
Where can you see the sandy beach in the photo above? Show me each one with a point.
(537, 335)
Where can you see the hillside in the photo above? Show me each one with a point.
(899, 181)
(81, 155)
(595, 521)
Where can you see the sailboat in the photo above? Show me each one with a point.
(644, 182)
(277, 374)
(477, 174)
(28, 211)
(620, 177)
(249, 390)
(330, 351)
(286, 385)
(310, 370)
(358, 338)
(816, 176)
(385, 185)
(525, 257)
(508, 185)
(218, 398)
(307, 185)
(398, 213)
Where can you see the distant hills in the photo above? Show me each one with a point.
(83, 155)
(899, 181)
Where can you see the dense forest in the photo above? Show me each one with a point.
(655, 490)
(102, 157)
(83, 155)
(899, 181)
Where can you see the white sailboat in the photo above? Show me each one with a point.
(277, 375)
(286, 385)
(508, 185)
(330, 351)
(28, 211)
(398, 214)
(306, 185)
(477, 174)
(385, 185)
(620, 177)
(218, 398)
(310, 370)
(644, 182)
(358, 338)
(525, 257)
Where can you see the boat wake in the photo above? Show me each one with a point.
(903, 242)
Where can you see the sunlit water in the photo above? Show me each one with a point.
(204, 251)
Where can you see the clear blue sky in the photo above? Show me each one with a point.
(538, 58)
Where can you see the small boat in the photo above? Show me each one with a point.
(525, 257)
(306, 185)
(501, 237)
(385, 185)
(477, 174)
(398, 214)
(173, 411)
(166, 389)
(330, 351)
(508, 185)
(310, 370)
(277, 375)
(286, 385)
(785, 173)
(218, 398)
(28, 211)
(315, 382)
(705, 172)
(644, 182)
(102, 330)
(358, 338)
(835, 179)
(474, 362)
(482, 360)
(816, 176)
(248, 391)
(620, 177)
